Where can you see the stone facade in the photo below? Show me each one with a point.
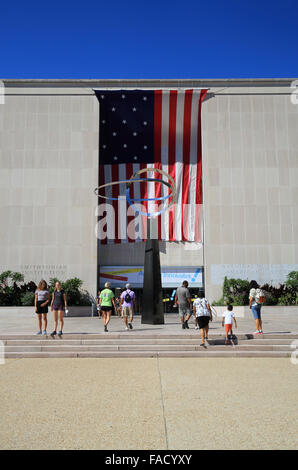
(49, 167)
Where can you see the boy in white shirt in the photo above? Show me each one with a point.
(227, 321)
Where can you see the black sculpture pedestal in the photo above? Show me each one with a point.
(152, 311)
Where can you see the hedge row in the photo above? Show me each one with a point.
(236, 292)
(15, 292)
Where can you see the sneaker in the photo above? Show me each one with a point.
(256, 332)
(186, 324)
(130, 325)
(196, 327)
(60, 333)
(53, 333)
(38, 333)
(44, 332)
(126, 328)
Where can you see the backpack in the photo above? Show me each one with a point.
(260, 296)
(127, 298)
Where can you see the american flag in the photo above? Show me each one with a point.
(160, 129)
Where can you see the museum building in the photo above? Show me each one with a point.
(49, 167)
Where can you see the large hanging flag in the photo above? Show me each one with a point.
(160, 129)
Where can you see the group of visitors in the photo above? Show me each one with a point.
(200, 308)
(126, 304)
(58, 305)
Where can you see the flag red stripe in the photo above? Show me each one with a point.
(198, 212)
(144, 195)
(157, 147)
(186, 160)
(172, 152)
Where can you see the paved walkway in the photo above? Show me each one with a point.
(24, 323)
(148, 403)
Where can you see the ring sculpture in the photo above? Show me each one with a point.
(136, 179)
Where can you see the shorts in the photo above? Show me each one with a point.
(105, 308)
(256, 311)
(41, 309)
(203, 321)
(127, 312)
(58, 307)
(183, 311)
(228, 327)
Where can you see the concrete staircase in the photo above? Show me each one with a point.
(136, 344)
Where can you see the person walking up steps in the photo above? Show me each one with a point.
(227, 321)
(184, 304)
(128, 304)
(203, 314)
(106, 303)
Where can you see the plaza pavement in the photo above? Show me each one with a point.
(26, 323)
(148, 403)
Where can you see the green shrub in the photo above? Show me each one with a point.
(13, 290)
(292, 280)
(236, 292)
(10, 291)
(28, 298)
(72, 288)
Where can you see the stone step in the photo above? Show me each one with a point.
(144, 336)
(104, 354)
(132, 340)
(147, 347)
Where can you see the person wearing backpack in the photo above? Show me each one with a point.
(256, 300)
(128, 304)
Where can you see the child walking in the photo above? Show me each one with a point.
(227, 321)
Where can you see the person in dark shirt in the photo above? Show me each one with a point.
(42, 300)
(58, 305)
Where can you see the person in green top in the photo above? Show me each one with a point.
(107, 301)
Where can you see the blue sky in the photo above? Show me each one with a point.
(156, 39)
